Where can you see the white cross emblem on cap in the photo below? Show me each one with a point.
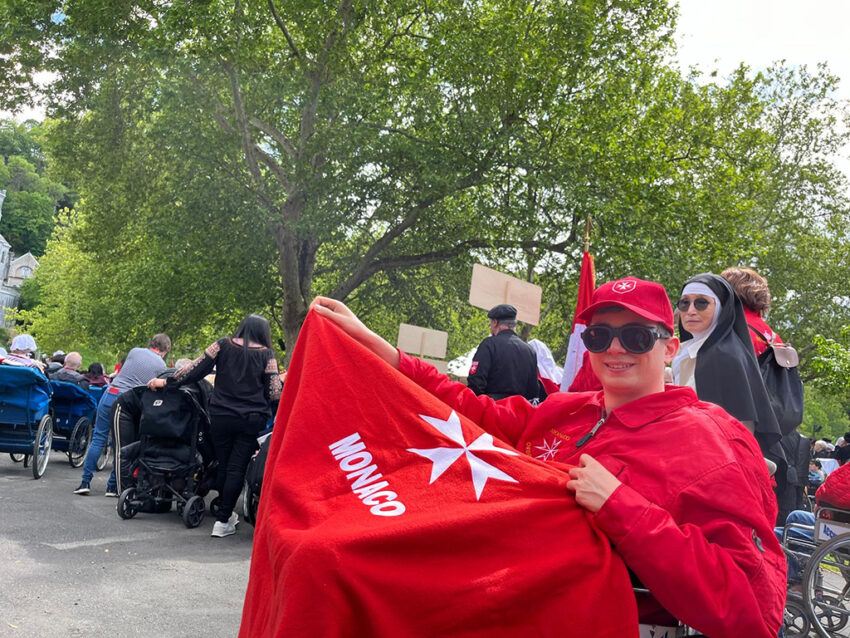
(625, 286)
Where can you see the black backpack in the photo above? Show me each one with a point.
(778, 365)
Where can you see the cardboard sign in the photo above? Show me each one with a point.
(490, 288)
(422, 341)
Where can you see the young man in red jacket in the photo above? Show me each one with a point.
(678, 485)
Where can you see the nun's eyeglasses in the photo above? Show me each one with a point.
(699, 303)
(634, 337)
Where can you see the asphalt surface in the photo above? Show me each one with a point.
(69, 566)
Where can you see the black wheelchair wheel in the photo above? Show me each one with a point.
(826, 587)
(193, 512)
(41, 446)
(795, 622)
(126, 508)
(250, 503)
(78, 442)
(247, 510)
(17, 457)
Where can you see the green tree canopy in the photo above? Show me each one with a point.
(246, 154)
(32, 198)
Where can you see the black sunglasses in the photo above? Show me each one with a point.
(699, 303)
(634, 337)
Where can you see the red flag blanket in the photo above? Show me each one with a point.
(384, 513)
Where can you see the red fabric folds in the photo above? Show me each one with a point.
(460, 535)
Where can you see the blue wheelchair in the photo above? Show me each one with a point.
(73, 418)
(26, 425)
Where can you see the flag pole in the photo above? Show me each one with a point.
(574, 362)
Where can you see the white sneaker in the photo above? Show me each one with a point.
(220, 530)
(233, 520)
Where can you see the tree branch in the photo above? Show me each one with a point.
(282, 27)
(278, 171)
(403, 133)
(219, 112)
(317, 77)
(471, 179)
(249, 149)
(411, 261)
(275, 134)
(397, 34)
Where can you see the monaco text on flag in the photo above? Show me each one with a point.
(356, 461)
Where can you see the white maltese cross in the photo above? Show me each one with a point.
(624, 286)
(548, 450)
(444, 457)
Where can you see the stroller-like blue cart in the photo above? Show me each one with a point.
(26, 426)
(73, 416)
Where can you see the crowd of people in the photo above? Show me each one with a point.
(247, 384)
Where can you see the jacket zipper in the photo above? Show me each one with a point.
(592, 432)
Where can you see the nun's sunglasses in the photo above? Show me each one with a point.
(634, 337)
(699, 303)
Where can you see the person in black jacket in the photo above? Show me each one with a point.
(504, 364)
(247, 380)
(842, 449)
(70, 371)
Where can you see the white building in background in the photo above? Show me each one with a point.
(13, 271)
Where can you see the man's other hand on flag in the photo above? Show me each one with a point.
(342, 316)
(592, 483)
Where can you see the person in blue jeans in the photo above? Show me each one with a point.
(805, 533)
(142, 365)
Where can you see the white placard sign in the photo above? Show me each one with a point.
(422, 341)
(490, 288)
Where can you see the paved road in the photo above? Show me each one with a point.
(69, 566)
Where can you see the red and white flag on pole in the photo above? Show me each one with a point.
(576, 349)
(385, 513)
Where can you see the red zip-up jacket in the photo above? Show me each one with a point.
(754, 320)
(693, 518)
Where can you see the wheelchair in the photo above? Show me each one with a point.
(822, 606)
(26, 423)
(73, 410)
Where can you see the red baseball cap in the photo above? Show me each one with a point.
(645, 298)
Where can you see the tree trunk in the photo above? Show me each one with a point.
(296, 262)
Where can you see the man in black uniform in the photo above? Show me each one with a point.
(504, 364)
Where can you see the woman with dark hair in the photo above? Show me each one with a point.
(716, 358)
(95, 375)
(246, 381)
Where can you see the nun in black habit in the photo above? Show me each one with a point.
(719, 362)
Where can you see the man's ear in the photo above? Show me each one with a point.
(671, 347)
